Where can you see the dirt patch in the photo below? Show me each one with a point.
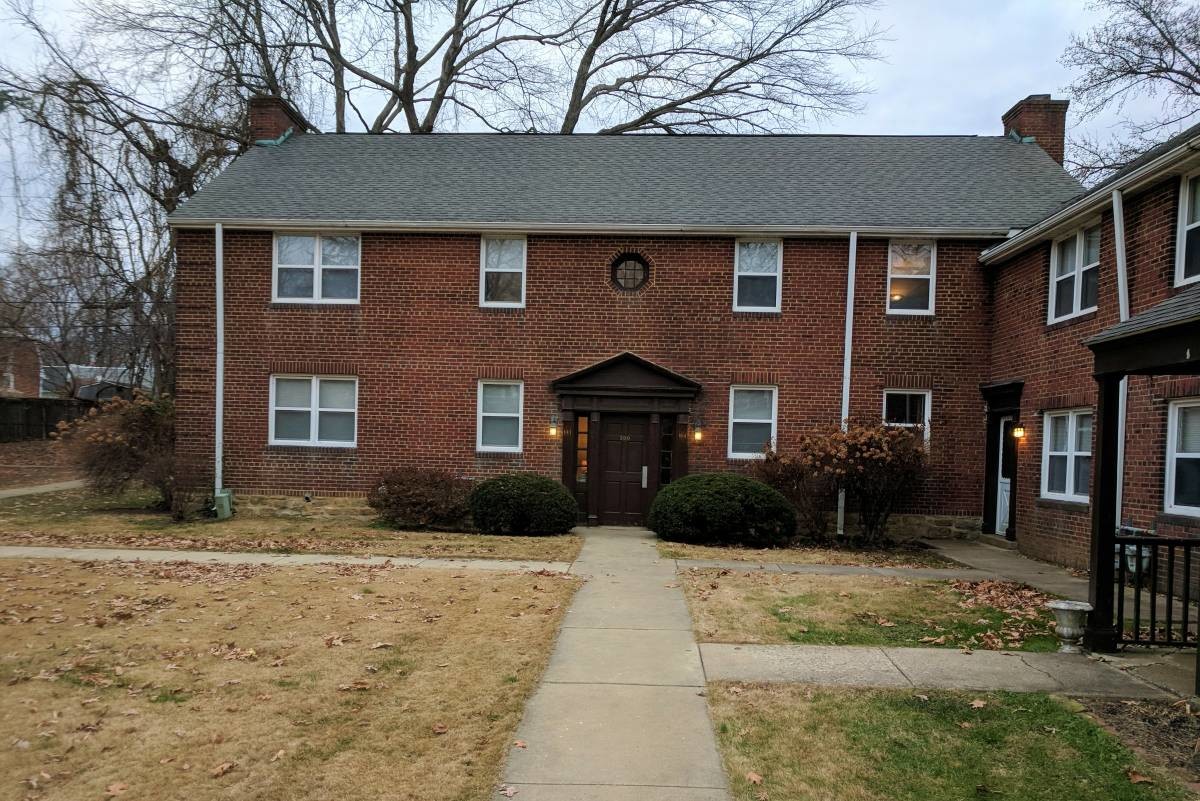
(183, 680)
(1166, 733)
(34, 462)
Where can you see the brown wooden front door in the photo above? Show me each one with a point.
(625, 463)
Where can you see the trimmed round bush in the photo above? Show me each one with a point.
(723, 509)
(522, 504)
(421, 498)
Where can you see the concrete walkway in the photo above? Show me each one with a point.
(923, 668)
(620, 714)
(277, 559)
(38, 489)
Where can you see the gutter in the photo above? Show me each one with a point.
(585, 228)
(847, 356)
(1091, 202)
(1118, 206)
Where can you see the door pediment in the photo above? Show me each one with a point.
(627, 375)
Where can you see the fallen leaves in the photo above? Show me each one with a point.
(440, 728)
(222, 769)
(1138, 778)
(115, 789)
(978, 703)
(754, 778)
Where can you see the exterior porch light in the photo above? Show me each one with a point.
(1018, 432)
(554, 424)
(698, 430)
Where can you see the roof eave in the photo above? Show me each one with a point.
(436, 226)
(1092, 202)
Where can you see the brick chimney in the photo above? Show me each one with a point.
(1043, 119)
(270, 117)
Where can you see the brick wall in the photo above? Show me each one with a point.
(1057, 370)
(419, 342)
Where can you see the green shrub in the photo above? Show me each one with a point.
(723, 508)
(522, 504)
(421, 498)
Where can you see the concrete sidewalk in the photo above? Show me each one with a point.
(620, 714)
(923, 668)
(39, 489)
(258, 558)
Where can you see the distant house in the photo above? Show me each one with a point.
(619, 311)
(85, 381)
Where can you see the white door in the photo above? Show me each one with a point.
(1003, 477)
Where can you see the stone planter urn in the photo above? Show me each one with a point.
(1069, 618)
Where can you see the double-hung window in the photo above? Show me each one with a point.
(1067, 455)
(912, 271)
(1187, 250)
(758, 275)
(314, 410)
(502, 272)
(907, 408)
(498, 416)
(316, 268)
(1183, 458)
(1075, 274)
(752, 413)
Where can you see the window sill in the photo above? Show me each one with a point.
(332, 450)
(899, 315)
(497, 454)
(1175, 518)
(758, 312)
(502, 309)
(309, 305)
(1067, 321)
(1065, 505)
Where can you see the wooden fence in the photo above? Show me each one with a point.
(36, 418)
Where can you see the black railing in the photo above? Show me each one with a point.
(1157, 586)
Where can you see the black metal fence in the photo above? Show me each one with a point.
(1157, 587)
(35, 418)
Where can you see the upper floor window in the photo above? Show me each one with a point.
(499, 407)
(1067, 455)
(313, 410)
(502, 272)
(912, 269)
(1075, 274)
(312, 268)
(907, 408)
(1187, 250)
(758, 275)
(1183, 457)
(751, 421)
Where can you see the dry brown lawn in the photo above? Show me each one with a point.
(76, 518)
(900, 556)
(773, 608)
(188, 681)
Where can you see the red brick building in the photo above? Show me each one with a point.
(619, 311)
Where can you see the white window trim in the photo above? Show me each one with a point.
(928, 393)
(316, 267)
(1070, 453)
(737, 249)
(774, 419)
(480, 414)
(1080, 237)
(314, 411)
(1169, 505)
(483, 271)
(932, 278)
(1182, 228)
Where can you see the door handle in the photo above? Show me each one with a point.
(645, 475)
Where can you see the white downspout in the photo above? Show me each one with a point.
(1118, 206)
(219, 402)
(847, 354)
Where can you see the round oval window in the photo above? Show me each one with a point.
(629, 272)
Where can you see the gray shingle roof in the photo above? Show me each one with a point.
(1183, 308)
(901, 182)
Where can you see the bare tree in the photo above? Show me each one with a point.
(612, 66)
(1142, 48)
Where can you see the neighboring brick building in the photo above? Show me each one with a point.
(618, 311)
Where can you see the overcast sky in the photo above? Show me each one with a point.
(949, 66)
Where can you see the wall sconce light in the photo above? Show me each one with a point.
(698, 430)
(554, 424)
(1018, 432)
